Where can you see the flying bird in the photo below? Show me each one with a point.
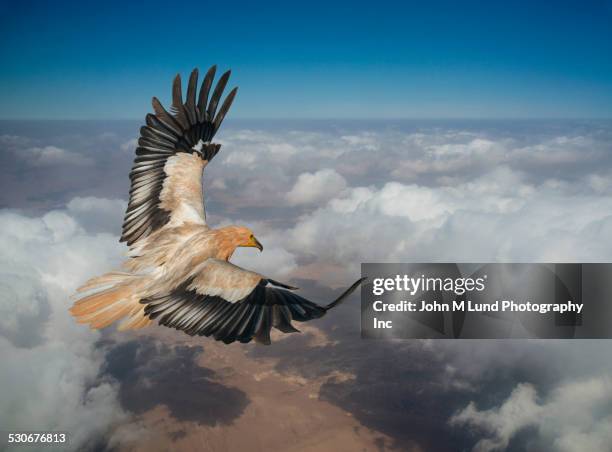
(178, 269)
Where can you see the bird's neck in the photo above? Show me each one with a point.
(226, 243)
(225, 253)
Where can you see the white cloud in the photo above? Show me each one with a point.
(21, 318)
(50, 364)
(366, 140)
(573, 418)
(496, 217)
(243, 158)
(14, 141)
(274, 262)
(52, 155)
(97, 214)
(430, 157)
(130, 145)
(316, 187)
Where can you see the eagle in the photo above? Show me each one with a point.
(178, 268)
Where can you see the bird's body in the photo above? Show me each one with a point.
(178, 268)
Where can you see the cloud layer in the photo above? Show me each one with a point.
(323, 198)
(574, 416)
(51, 365)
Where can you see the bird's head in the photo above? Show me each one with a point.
(246, 238)
(231, 237)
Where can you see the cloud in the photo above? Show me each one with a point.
(496, 217)
(97, 214)
(311, 188)
(24, 307)
(52, 155)
(366, 140)
(59, 162)
(274, 261)
(50, 364)
(14, 141)
(573, 418)
(129, 146)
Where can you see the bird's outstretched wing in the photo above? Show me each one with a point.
(231, 304)
(173, 149)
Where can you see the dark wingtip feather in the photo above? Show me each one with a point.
(227, 103)
(177, 92)
(205, 89)
(346, 293)
(280, 284)
(214, 100)
(158, 108)
(191, 87)
(190, 98)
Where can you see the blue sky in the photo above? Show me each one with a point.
(466, 59)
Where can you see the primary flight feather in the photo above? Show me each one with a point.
(178, 271)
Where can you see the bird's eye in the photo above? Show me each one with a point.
(251, 237)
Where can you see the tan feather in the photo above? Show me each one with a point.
(98, 301)
(135, 322)
(102, 319)
(182, 189)
(108, 305)
(108, 278)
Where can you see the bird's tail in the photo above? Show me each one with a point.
(111, 297)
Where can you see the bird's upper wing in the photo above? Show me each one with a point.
(225, 301)
(172, 151)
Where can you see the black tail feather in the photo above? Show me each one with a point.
(345, 294)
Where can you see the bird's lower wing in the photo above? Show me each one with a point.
(232, 304)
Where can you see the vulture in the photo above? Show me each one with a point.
(178, 270)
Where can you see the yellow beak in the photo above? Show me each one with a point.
(253, 242)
